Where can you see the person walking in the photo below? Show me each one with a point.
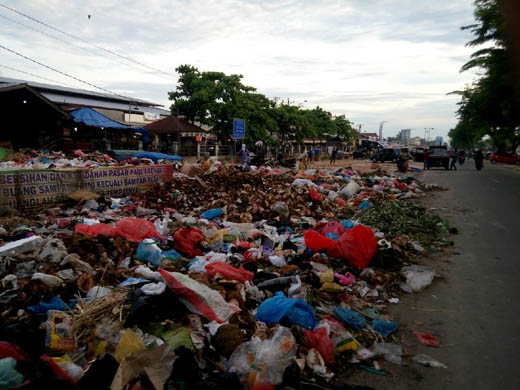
(243, 154)
(426, 157)
(479, 160)
(333, 156)
(453, 156)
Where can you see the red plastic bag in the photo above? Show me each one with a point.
(320, 340)
(229, 272)
(357, 245)
(341, 202)
(186, 241)
(427, 339)
(315, 196)
(94, 230)
(135, 229)
(57, 369)
(316, 242)
(8, 349)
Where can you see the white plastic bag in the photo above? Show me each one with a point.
(199, 298)
(351, 189)
(417, 277)
(153, 288)
(391, 352)
(264, 361)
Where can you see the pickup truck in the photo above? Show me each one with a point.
(439, 157)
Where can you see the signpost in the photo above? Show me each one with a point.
(239, 131)
(239, 128)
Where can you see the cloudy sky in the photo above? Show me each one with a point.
(372, 60)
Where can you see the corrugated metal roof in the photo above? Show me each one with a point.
(93, 102)
(75, 91)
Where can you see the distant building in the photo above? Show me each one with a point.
(404, 135)
(370, 137)
(416, 141)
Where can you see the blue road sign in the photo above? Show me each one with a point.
(239, 128)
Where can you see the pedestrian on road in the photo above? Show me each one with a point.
(426, 159)
(479, 160)
(453, 156)
(243, 154)
(333, 156)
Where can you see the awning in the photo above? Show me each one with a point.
(92, 118)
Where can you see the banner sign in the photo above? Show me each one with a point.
(35, 188)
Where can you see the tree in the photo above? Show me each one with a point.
(490, 105)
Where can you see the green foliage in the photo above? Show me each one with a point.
(215, 99)
(491, 105)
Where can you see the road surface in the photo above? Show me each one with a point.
(474, 310)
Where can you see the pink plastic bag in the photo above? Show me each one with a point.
(320, 340)
(135, 229)
(358, 245)
(333, 227)
(317, 242)
(229, 272)
(94, 230)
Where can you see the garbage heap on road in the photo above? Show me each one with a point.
(220, 279)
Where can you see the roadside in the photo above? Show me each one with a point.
(472, 307)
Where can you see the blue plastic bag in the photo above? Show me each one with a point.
(211, 213)
(350, 317)
(133, 282)
(347, 224)
(332, 236)
(149, 252)
(383, 327)
(9, 377)
(292, 311)
(54, 304)
(172, 255)
(365, 205)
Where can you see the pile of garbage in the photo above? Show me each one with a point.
(230, 279)
(39, 159)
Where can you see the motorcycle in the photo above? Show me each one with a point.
(461, 160)
(479, 164)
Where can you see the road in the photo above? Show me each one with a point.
(474, 310)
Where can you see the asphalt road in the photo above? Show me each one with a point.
(474, 310)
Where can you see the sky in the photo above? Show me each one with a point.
(370, 60)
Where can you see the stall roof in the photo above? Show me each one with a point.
(90, 117)
(171, 124)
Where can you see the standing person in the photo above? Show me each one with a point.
(479, 160)
(260, 153)
(333, 156)
(243, 154)
(426, 159)
(404, 157)
(453, 156)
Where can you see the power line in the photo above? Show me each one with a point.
(35, 75)
(62, 73)
(79, 47)
(84, 41)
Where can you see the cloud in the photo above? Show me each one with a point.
(368, 59)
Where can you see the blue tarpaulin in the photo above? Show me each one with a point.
(154, 156)
(90, 117)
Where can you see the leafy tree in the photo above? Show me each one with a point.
(490, 105)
